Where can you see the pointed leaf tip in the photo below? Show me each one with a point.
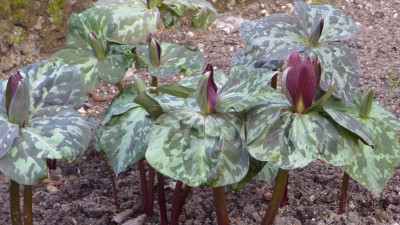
(97, 46)
(12, 85)
(155, 50)
(17, 99)
(316, 32)
(366, 104)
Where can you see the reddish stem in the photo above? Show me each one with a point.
(143, 184)
(343, 195)
(175, 203)
(112, 177)
(285, 200)
(150, 193)
(183, 196)
(161, 199)
(220, 206)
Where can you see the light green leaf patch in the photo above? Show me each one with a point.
(337, 27)
(199, 150)
(8, 132)
(240, 92)
(132, 21)
(293, 141)
(174, 59)
(204, 13)
(80, 53)
(124, 138)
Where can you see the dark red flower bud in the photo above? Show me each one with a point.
(154, 50)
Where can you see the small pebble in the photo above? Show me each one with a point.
(312, 198)
(190, 34)
(351, 205)
(51, 189)
(268, 196)
(264, 12)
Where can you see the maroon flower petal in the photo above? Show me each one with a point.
(317, 68)
(12, 85)
(212, 89)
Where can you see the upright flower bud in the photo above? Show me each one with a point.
(366, 104)
(17, 99)
(97, 46)
(155, 51)
(153, 3)
(316, 32)
(207, 91)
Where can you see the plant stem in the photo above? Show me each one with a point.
(28, 217)
(220, 206)
(150, 193)
(154, 83)
(285, 199)
(112, 177)
(175, 203)
(15, 208)
(277, 196)
(143, 184)
(120, 87)
(161, 199)
(182, 198)
(343, 195)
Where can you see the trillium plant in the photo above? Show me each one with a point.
(208, 129)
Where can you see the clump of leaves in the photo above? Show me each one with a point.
(134, 20)
(89, 50)
(318, 30)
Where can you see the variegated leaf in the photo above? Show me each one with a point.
(220, 80)
(240, 59)
(54, 84)
(274, 37)
(373, 167)
(132, 21)
(174, 59)
(199, 150)
(339, 64)
(264, 115)
(355, 126)
(205, 13)
(244, 84)
(294, 141)
(79, 25)
(268, 173)
(337, 27)
(122, 103)
(53, 132)
(124, 139)
(8, 132)
(80, 52)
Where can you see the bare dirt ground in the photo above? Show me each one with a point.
(85, 194)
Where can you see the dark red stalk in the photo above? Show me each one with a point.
(220, 206)
(143, 184)
(277, 196)
(161, 199)
(28, 217)
(112, 177)
(150, 191)
(285, 200)
(15, 207)
(175, 203)
(184, 193)
(343, 195)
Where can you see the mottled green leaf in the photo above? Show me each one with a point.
(337, 27)
(122, 103)
(80, 54)
(8, 132)
(268, 173)
(244, 84)
(199, 150)
(205, 13)
(220, 80)
(132, 21)
(174, 59)
(294, 140)
(373, 167)
(274, 37)
(124, 139)
(240, 59)
(176, 90)
(339, 64)
(53, 132)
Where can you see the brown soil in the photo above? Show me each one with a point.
(85, 196)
